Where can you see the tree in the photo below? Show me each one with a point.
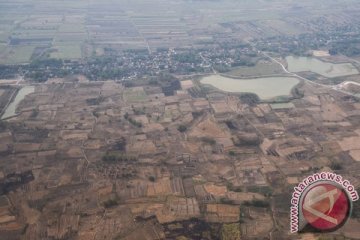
(250, 98)
(257, 203)
(356, 208)
(232, 153)
(335, 166)
(120, 144)
(3, 125)
(110, 203)
(208, 140)
(182, 128)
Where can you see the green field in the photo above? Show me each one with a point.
(34, 32)
(231, 231)
(283, 27)
(16, 55)
(71, 34)
(65, 38)
(73, 28)
(135, 95)
(261, 69)
(4, 37)
(67, 52)
(2, 48)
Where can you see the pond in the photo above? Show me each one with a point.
(265, 88)
(11, 109)
(330, 70)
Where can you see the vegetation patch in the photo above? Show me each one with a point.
(208, 140)
(112, 202)
(231, 231)
(114, 158)
(249, 98)
(132, 121)
(17, 55)
(257, 203)
(182, 128)
(356, 208)
(260, 69)
(233, 188)
(67, 52)
(336, 166)
(265, 190)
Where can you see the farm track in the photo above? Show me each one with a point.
(83, 147)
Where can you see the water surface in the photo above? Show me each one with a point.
(330, 70)
(11, 109)
(265, 88)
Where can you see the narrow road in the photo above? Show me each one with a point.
(21, 79)
(84, 177)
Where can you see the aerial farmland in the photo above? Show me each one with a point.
(180, 119)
